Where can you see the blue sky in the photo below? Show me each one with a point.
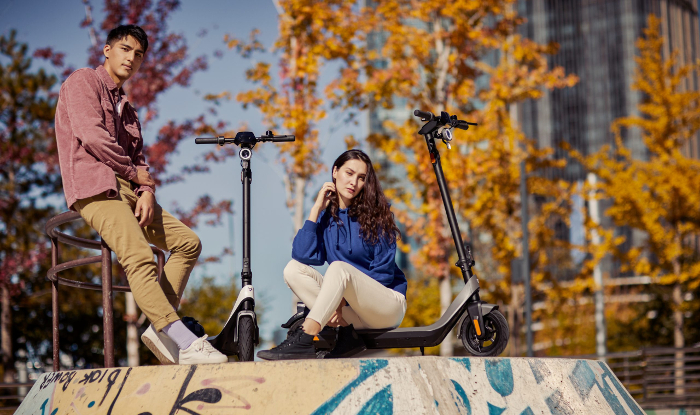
(42, 23)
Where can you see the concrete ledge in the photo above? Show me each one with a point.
(401, 385)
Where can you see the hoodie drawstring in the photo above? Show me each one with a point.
(337, 235)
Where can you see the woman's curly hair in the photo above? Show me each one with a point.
(370, 206)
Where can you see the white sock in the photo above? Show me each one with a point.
(180, 334)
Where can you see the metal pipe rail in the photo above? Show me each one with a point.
(107, 288)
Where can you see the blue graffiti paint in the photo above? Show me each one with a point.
(91, 404)
(500, 376)
(367, 369)
(584, 379)
(527, 411)
(464, 361)
(381, 403)
(558, 405)
(495, 410)
(620, 389)
(54, 411)
(461, 398)
(539, 369)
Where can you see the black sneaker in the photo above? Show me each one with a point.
(193, 325)
(348, 344)
(298, 345)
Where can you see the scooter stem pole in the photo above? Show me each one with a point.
(246, 179)
(447, 201)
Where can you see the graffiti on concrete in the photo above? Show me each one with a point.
(482, 386)
(110, 384)
(417, 385)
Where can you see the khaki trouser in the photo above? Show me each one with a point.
(114, 221)
(370, 304)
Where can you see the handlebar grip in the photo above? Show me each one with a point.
(423, 114)
(282, 138)
(462, 125)
(206, 140)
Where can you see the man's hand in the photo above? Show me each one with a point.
(145, 208)
(143, 178)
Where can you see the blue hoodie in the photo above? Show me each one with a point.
(329, 241)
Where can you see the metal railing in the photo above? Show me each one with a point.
(11, 402)
(106, 287)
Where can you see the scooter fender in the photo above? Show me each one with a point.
(251, 313)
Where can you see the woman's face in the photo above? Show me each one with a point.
(350, 179)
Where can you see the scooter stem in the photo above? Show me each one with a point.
(246, 179)
(465, 260)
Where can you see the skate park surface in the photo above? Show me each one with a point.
(399, 385)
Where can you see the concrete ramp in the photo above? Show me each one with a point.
(401, 385)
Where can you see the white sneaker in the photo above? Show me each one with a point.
(201, 351)
(161, 345)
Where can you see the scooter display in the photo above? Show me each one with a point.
(484, 330)
(241, 332)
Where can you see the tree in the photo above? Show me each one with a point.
(312, 33)
(28, 172)
(463, 57)
(659, 194)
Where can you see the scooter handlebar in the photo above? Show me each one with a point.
(423, 114)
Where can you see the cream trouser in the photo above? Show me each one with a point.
(371, 305)
(114, 221)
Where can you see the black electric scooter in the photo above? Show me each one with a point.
(241, 331)
(484, 330)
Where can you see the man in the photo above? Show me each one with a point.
(105, 179)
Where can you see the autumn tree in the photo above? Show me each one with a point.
(312, 33)
(658, 193)
(466, 58)
(28, 172)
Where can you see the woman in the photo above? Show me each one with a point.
(352, 228)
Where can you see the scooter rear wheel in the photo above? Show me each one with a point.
(246, 332)
(496, 340)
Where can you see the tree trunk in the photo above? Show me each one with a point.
(516, 295)
(8, 363)
(678, 340)
(299, 192)
(447, 346)
(132, 333)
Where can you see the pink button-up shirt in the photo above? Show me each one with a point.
(94, 141)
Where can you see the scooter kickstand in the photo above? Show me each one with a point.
(422, 351)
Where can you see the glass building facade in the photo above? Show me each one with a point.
(597, 40)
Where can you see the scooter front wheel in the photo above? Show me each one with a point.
(246, 332)
(496, 339)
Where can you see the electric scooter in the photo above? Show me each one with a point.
(241, 331)
(483, 330)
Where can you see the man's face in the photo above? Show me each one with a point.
(124, 59)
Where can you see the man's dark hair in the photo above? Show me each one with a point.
(121, 32)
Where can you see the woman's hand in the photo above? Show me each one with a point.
(324, 197)
(337, 317)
